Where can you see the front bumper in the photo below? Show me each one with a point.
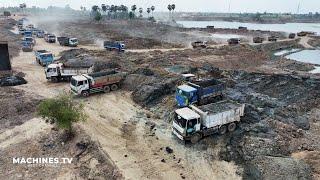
(175, 132)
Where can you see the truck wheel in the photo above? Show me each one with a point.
(106, 89)
(195, 138)
(232, 127)
(54, 79)
(223, 129)
(114, 87)
(85, 93)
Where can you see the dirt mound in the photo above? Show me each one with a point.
(12, 81)
(16, 107)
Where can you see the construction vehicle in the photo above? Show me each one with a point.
(114, 45)
(28, 33)
(199, 92)
(27, 46)
(59, 71)
(44, 57)
(40, 34)
(87, 84)
(50, 38)
(199, 44)
(30, 39)
(273, 38)
(193, 123)
(258, 40)
(21, 31)
(243, 28)
(233, 41)
(292, 35)
(65, 41)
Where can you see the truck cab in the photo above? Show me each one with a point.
(80, 84)
(186, 95)
(28, 33)
(73, 42)
(186, 123)
(45, 58)
(30, 40)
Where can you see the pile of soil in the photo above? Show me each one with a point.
(12, 81)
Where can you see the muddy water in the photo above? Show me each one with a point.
(288, 27)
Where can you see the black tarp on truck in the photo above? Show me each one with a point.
(5, 64)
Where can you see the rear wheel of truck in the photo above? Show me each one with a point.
(195, 138)
(106, 89)
(223, 129)
(232, 127)
(114, 87)
(85, 93)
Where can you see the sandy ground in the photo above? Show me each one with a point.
(123, 130)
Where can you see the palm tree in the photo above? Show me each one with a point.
(104, 8)
(173, 6)
(152, 9)
(133, 8)
(169, 8)
(148, 11)
(140, 11)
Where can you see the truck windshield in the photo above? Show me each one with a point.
(182, 93)
(46, 56)
(73, 82)
(179, 120)
(74, 40)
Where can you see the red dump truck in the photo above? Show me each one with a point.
(87, 84)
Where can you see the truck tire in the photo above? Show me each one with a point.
(114, 87)
(232, 127)
(54, 79)
(106, 89)
(223, 129)
(195, 138)
(84, 93)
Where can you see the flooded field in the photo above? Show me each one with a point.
(306, 56)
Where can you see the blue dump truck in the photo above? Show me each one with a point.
(27, 46)
(28, 33)
(40, 34)
(114, 45)
(44, 57)
(199, 92)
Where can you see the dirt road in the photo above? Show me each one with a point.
(124, 131)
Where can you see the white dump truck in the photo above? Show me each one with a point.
(87, 84)
(192, 123)
(59, 71)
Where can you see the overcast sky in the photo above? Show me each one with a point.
(188, 5)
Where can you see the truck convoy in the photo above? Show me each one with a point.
(59, 71)
(87, 84)
(44, 57)
(50, 38)
(114, 45)
(199, 92)
(192, 123)
(65, 41)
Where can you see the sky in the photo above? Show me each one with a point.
(188, 5)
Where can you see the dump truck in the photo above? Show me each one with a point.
(258, 40)
(272, 38)
(21, 31)
(40, 34)
(65, 41)
(114, 45)
(28, 33)
(193, 123)
(44, 57)
(199, 92)
(30, 39)
(59, 71)
(27, 46)
(243, 28)
(233, 41)
(50, 38)
(199, 44)
(292, 35)
(87, 84)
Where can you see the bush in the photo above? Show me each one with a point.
(98, 16)
(63, 111)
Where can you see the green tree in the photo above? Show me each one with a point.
(62, 111)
